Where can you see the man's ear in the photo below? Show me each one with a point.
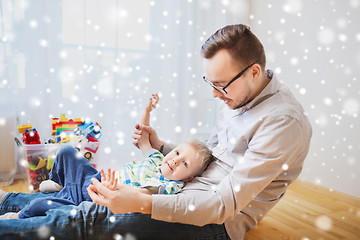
(256, 69)
(188, 179)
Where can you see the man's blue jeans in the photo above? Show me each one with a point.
(91, 221)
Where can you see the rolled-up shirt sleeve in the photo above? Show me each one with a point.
(168, 147)
(277, 145)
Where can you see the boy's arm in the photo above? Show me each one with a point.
(145, 118)
(144, 142)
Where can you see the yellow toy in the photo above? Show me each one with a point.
(22, 128)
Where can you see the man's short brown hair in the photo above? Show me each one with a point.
(241, 43)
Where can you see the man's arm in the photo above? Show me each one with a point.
(271, 148)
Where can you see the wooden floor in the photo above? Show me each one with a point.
(307, 212)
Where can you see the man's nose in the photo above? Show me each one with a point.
(216, 93)
(175, 162)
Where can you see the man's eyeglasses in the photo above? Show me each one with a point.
(222, 89)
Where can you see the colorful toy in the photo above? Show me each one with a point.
(49, 141)
(31, 136)
(40, 162)
(89, 128)
(22, 128)
(69, 138)
(88, 148)
(64, 125)
(83, 135)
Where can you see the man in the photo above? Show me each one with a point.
(260, 143)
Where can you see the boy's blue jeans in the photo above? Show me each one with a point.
(91, 221)
(73, 172)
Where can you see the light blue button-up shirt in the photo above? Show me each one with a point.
(260, 150)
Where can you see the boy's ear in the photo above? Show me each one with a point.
(188, 179)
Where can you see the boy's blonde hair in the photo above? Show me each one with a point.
(203, 152)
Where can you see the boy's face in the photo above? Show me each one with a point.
(181, 163)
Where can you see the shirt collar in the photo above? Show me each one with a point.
(270, 89)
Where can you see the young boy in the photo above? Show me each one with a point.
(154, 175)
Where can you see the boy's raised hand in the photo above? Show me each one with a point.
(152, 102)
(144, 136)
(108, 180)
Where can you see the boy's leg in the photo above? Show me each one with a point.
(67, 165)
(72, 171)
(39, 206)
(14, 202)
(91, 221)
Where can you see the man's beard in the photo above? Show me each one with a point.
(243, 103)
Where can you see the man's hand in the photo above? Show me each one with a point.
(125, 199)
(109, 180)
(155, 142)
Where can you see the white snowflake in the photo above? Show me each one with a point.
(117, 236)
(326, 36)
(323, 222)
(43, 232)
(107, 150)
(292, 6)
(193, 103)
(191, 207)
(43, 43)
(351, 106)
(35, 102)
(33, 24)
(112, 219)
(193, 131)
(73, 212)
(2, 121)
(285, 166)
(178, 129)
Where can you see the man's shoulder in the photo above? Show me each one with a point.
(282, 103)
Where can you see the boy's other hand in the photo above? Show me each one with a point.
(108, 180)
(123, 200)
